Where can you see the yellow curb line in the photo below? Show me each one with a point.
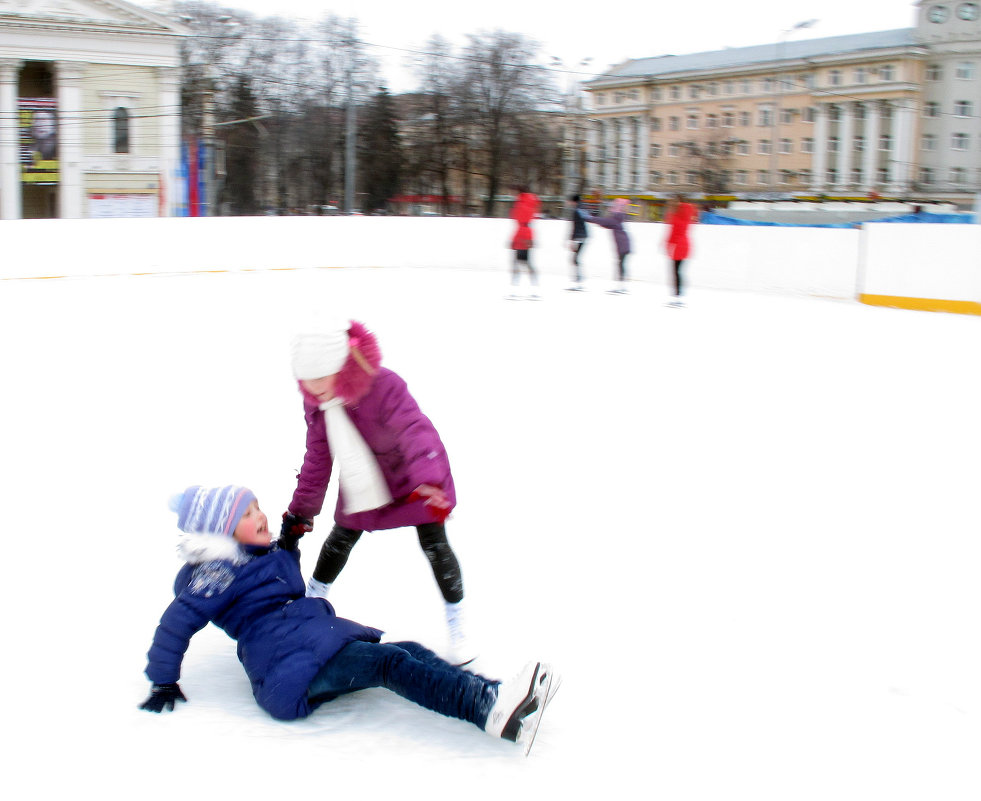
(922, 304)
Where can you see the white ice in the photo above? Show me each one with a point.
(746, 532)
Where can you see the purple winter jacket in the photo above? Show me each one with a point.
(405, 443)
(615, 223)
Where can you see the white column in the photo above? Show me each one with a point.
(870, 160)
(71, 189)
(820, 156)
(610, 155)
(643, 152)
(902, 145)
(168, 94)
(593, 138)
(845, 135)
(623, 182)
(10, 194)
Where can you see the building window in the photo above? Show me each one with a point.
(675, 92)
(600, 99)
(763, 147)
(655, 124)
(762, 177)
(958, 175)
(962, 108)
(786, 146)
(959, 141)
(675, 123)
(694, 91)
(929, 142)
(808, 114)
(747, 87)
(712, 89)
(934, 72)
(859, 144)
(804, 176)
(834, 113)
(729, 87)
(931, 109)
(120, 130)
(786, 116)
(765, 117)
(856, 175)
(832, 176)
(883, 175)
(742, 148)
(673, 178)
(711, 121)
(926, 175)
(832, 144)
(808, 80)
(744, 118)
(691, 177)
(860, 75)
(965, 70)
(786, 177)
(655, 151)
(728, 119)
(885, 142)
(769, 85)
(692, 122)
(834, 77)
(807, 145)
(656, 178)
(887, 72)
(656, 94)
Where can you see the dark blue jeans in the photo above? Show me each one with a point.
(410, 670)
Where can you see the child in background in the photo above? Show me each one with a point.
(577, 239)
(392, 468)
(614, 221)
(295, 650)
(524, 210)
(678, 216)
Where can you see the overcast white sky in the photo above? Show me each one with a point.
(608, 33)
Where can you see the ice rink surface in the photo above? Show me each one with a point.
(746, 532)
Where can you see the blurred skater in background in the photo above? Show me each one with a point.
(524, 210)
(577, 239)
(614, 221)
(678, 216)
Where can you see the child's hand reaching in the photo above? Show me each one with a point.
(163, 695)
(434, 498)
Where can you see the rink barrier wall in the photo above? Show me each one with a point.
(934, 263)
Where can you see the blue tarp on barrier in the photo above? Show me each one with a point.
(711, 218)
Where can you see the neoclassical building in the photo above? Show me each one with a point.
(89, 110)
(890, 113)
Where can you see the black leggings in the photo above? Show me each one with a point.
(522, 257)
(622, 267)
(677, 275)
(432, 537)
(576, 250)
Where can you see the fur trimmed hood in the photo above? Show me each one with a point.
(197, 549)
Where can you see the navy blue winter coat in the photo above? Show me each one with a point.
(256, 596)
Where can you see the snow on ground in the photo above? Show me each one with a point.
(746, 532)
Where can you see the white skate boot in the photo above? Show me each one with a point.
(520, 704)
(317, 589)
(462, 650)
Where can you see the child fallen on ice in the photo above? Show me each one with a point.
(297, 653)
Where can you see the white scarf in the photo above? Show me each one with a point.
(362, 483)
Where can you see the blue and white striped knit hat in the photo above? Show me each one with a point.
(217, 510)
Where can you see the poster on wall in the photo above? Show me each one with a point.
(38, 124)
(102, 206)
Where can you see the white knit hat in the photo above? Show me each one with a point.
(321, 347)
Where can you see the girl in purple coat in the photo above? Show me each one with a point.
(614, 221)
(392, 468)
(297, 652)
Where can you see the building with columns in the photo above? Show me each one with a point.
(89, 110)
(887, 113)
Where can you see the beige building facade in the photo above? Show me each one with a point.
(841, 117)
(89, 110)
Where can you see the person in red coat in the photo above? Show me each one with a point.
(525, 209)
(678, 216)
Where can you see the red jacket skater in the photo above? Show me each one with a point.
(524, 210)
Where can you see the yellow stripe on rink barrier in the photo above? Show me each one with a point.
(922, 304)
(167, 272)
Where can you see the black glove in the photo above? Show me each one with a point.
(293, 528)
(163, 695)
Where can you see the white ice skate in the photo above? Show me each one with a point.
(521, 702)
(462, 650)
(677, 302)
(575, 288)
